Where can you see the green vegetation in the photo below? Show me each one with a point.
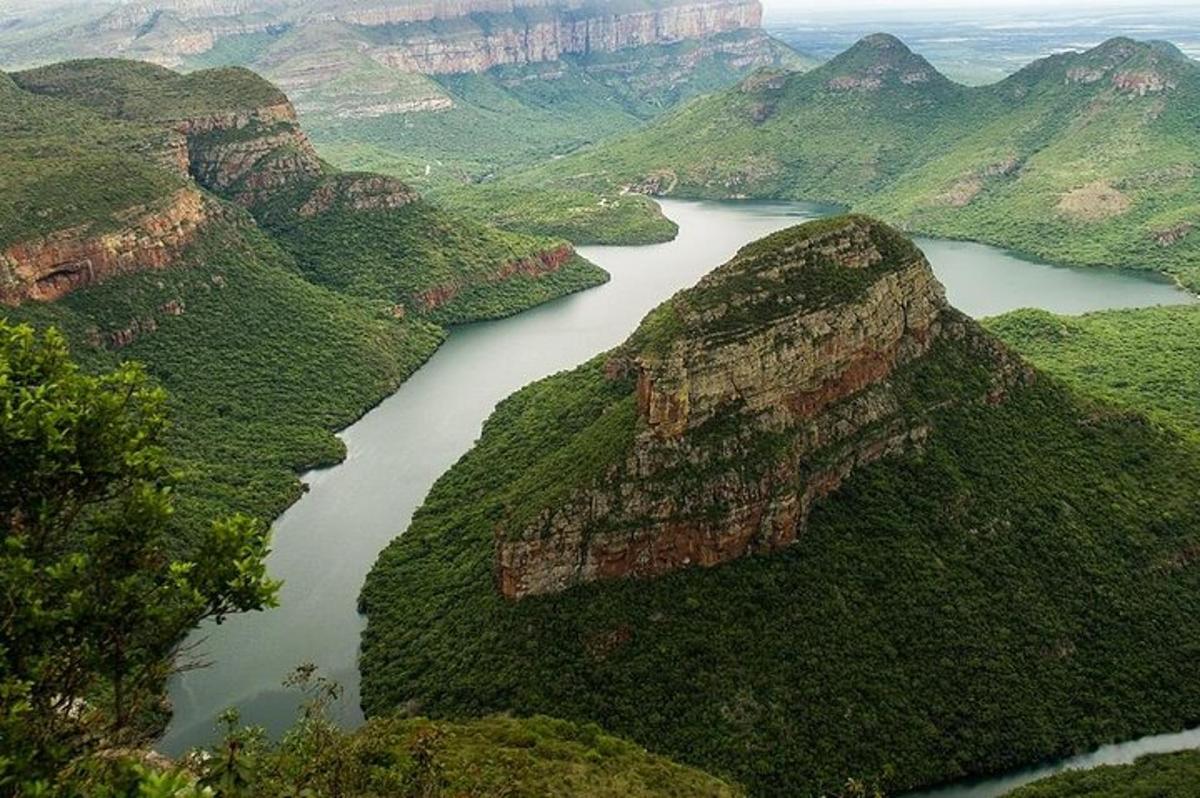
(514, 116)
(1147, 358)
(271, 335)
(1154, 776)
(399, 757)
(62, 165)
(137, 90)
(578, 216)
(421, 758)
(1022, 586)
(91, 602)
(421, 251)
(1082, 158)
(261, 366)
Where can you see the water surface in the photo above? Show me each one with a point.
(327, 541)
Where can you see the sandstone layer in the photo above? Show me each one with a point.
(48, 268)
(431, 37)
(776, 383)
(247, 155)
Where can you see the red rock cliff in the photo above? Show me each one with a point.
(770, 397)
(48, 268)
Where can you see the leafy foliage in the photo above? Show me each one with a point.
(137, 90)
(420, 250)
(261, 366)
(1082, 158)
(1148, 358)
(92, 603)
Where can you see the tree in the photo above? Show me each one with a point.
(94, 598)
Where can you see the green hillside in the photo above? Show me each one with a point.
(1017, 588)
(1152, 776)
(1086, 158)
(268, 333)
(513, 116)
(497, 755)
(1148, 358)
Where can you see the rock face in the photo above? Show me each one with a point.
(467, 35)
(248, 155)
(538, 265)
(757, 393)
(566, 32)
(357, 192)
(51, 267)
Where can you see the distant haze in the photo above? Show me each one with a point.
(859, 7)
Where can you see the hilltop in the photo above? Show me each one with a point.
(808, 523)
(1151, 775)
(1086, 158)
(185, 221)
(408, 88)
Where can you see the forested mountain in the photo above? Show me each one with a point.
(1088, 158)
(186, 222)
(436, 92)
(808, 522)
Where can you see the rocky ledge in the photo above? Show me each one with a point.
(248, 155)
(48, 268)
(757, 393)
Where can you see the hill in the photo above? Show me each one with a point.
(185, 221)
(439, 92)
(1084, 158)
(807, 523)
(1147, 358)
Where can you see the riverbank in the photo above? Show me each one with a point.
(326, 542)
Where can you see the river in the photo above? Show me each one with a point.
(326, 542)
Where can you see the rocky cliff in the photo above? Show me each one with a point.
(52, 266)
(757, 394)
(543, 38)
(249, 155)
(437, 36)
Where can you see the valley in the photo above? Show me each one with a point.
(1085, 158)
(637, 405)
(398, 450)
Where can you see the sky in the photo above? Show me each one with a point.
(842, 7)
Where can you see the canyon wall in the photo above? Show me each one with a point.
(764, 402)
(50, 267)
(445, 36)
(548, 37)
(249, 155)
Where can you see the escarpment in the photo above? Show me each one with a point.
(439, 36)
(49, 267)
(250, 154)
(756, 394)
(571, 30)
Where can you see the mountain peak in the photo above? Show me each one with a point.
(796, 341)
(877, 61)
(883, 41)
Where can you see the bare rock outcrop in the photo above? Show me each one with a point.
(48, 268)
(757, 393)
(249, 154)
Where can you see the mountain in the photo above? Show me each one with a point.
(808, 523)
(442, 91)
(1085, 157)
(186, 222)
